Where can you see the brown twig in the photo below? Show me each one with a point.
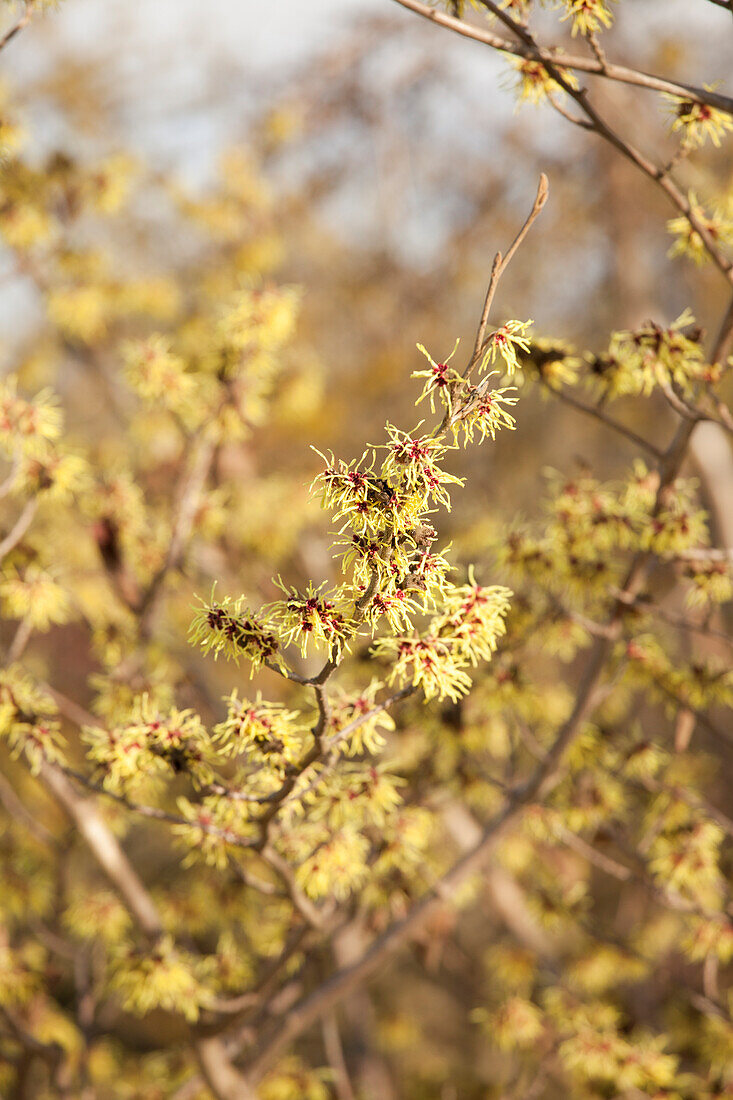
(593, 66)
(681, 623)
(156, 814)
(18, 27)
(308, 911)
(106, 849)
(598, 414)
(20, 640)
(335, 1054)
(7, 484)
(15, 808)
(19, 528)
(501, 262)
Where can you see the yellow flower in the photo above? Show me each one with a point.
(165, 977)
(36, 597)
(24, 223)
(717, 223)
(588, 16)
(97, 914)
(504, 342)
(157, 374)
(337, 868)
(534, 83)
(517, 1025)
(266, 732)
(439, 379)
(698, 121)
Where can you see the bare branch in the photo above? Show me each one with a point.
(18, 27)
(502, 262)
(598, 414)
(155, 813)
(19, 528)
(594, 66)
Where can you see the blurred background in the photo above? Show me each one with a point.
(347, 148)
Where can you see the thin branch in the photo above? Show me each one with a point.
(592, 855)
(598, 51)
(74, 712)
(329, 761)
(157, 814)
(681, 623)
(593, 66)
(255, 883)
(19, 528)
(562, 110)
(308, 911)
(282, 795)
(496, 270)
(598, 414)
(675, 402)
(724, 419)
(335, 1054)
(500, 264)
(22, 22)
(319, 747)
(7, 484)
(356, 723)
(189, 496)
(287, 673)
(20, 640)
